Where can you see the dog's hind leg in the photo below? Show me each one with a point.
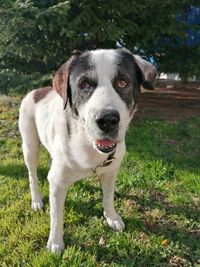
(31, 145)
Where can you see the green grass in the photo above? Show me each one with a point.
(157, 194)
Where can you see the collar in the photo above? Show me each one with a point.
(106, 162)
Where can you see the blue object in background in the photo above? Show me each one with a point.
(192, 18)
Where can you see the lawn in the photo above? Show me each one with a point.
(157, 194)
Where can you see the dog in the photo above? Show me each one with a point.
(82, 120)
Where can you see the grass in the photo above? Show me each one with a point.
(157, 194)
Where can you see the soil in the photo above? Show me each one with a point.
(171, 101)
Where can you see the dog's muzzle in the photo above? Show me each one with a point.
(108, 122)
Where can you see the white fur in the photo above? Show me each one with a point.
(74, 158)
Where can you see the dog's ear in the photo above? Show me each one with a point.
(146, 73)
(61, 80)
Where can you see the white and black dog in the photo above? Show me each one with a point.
(82, 121)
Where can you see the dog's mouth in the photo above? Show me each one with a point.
(105, 145)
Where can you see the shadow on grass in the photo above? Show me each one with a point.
(19, 171)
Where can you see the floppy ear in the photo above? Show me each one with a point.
(61, 80)
(147, 73)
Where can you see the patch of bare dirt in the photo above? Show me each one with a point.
(171, 100)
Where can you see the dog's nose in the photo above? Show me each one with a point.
(108, 120)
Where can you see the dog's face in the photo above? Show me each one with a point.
(102, 87)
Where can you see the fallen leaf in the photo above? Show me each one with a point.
(165, 242)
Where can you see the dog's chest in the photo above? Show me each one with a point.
(82, 160)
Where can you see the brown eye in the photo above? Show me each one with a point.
(121, 83)
(85, 85)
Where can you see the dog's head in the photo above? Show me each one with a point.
(102, 87)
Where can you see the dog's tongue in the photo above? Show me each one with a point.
(105, 143)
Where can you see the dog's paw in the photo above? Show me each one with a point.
(37, 205)
(55, 248)
(115, 222)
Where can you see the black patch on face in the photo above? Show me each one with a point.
(127, 71)
(69, 123)
(80, 78)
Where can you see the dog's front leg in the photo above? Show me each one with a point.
(114, 220)
(58, 190)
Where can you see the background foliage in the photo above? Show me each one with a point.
(37, 36)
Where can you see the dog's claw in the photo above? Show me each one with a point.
(116, 222)
(37, 205)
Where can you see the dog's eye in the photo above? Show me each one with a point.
(121, 83)
(85, 85)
